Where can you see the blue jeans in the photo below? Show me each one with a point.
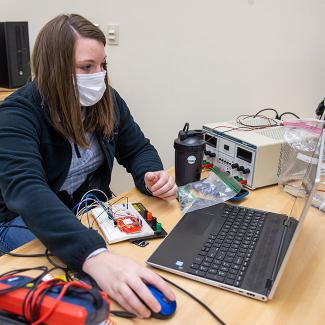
(12, 237)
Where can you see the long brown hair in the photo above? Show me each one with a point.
(54, 69)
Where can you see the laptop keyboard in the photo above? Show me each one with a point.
(226, 254)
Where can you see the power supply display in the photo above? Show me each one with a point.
(252, 157)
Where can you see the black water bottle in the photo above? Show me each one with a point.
(189, 149)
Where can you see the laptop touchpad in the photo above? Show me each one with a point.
(194, 224)
(197, 222)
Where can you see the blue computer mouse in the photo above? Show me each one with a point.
(167, 307)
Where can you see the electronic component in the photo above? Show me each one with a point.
(252, 157)
(53, 301)
(152, 221)
(158, 228)
(127, 222)
(149, 216)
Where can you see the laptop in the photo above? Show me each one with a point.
(236, 248)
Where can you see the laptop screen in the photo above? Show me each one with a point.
(303, 198)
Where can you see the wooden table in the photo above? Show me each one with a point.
(4, 92)
(300, 295)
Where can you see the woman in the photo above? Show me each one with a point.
(58, 138)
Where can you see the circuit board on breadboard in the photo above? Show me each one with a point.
(127, 221)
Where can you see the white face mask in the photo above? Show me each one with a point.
(91, 87)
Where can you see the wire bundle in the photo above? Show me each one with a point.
(37, 290)
(90, 201)
(241, 120)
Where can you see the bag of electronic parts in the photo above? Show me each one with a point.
(297, 152)
(217, 187)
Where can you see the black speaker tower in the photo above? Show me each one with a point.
(14, 54)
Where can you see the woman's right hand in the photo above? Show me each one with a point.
(125, 282)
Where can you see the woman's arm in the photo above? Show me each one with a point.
(24, 189)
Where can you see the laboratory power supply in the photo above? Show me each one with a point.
(250, 155)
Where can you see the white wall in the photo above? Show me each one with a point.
(201, 61)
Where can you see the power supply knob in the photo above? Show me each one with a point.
(246, 171)
(235, 165)
(240, 168)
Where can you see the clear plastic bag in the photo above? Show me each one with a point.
(217, 187)
(298, 151)
(319, 201)
(301, 139)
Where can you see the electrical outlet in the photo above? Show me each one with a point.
(113, 34)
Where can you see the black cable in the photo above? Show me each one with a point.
(122, 197)
(64, 268)
(28, 280)
(31, 291)
(86, 278)
(56, 285)
(270, 122)
(22, 255)
(289, 113)
(268, 109)
(47, 255)
(12, 272)
(33, 310)
(248, 127)
(123, 314)
(197, 300)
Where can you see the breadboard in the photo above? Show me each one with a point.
(111, 232)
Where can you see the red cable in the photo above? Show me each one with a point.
(33, 295)
(36, 293)
(65, 286)
(58, 299)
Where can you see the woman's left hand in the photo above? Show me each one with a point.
(161, 184)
